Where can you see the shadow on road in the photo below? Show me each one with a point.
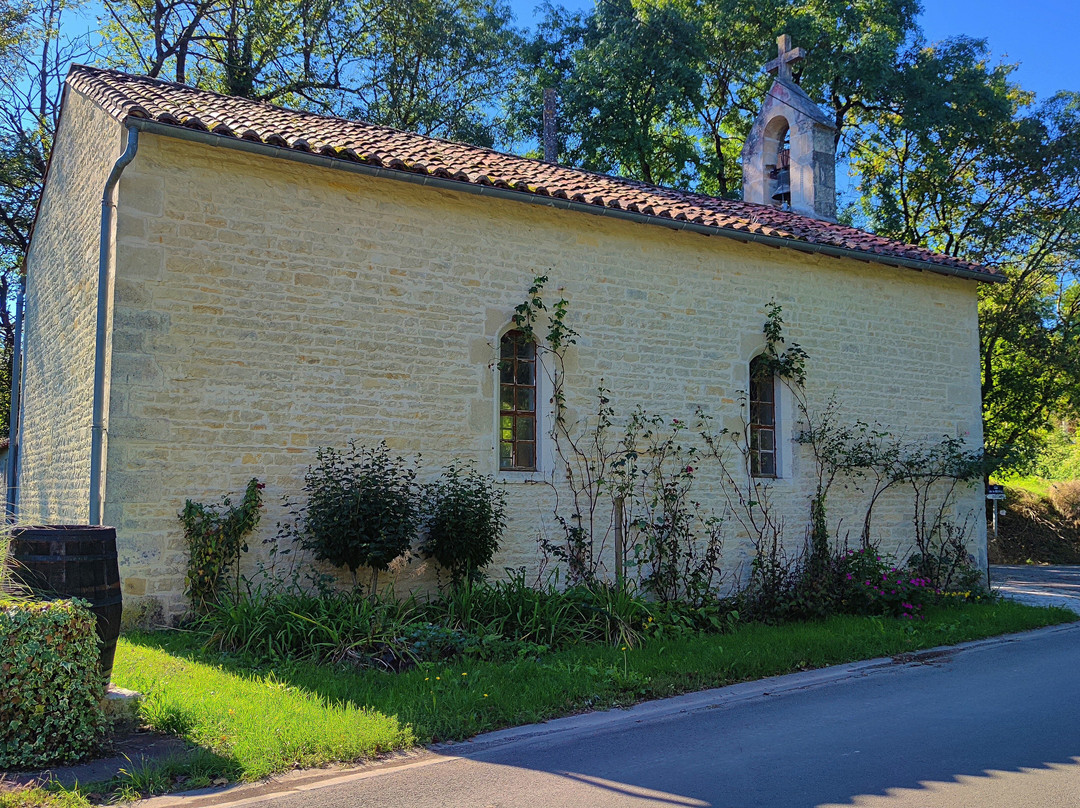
(984, 723)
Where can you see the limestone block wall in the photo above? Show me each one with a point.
(266, 308)
(61, 306)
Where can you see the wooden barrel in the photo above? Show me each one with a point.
(74, 561)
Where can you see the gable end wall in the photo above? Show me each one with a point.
(61, 310)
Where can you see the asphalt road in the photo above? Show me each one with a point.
(1039, 585)
(990, 726)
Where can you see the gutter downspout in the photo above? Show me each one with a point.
(104, 307)
(16, 412)
(326, 161)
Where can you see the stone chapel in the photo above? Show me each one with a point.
(261, 282)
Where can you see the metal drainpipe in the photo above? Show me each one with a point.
(104, 304)
(16, 410)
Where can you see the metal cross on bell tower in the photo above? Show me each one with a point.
(787, 56)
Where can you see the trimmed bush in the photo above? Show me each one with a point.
(50, 685)
(465, 522)
(362, 508)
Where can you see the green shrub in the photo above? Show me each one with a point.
(215, 536)
(466, 516)
(872, 584)
(496, 620)
(545, 615)
(297, 624)
(362, 508)
(50, 683)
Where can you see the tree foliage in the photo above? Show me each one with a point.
(968, 164)
(431, 66)
(666, 92)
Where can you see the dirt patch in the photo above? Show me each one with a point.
(1031, 531)
(128, 750)
(931, 657)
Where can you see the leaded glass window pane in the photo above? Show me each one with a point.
(762, 419)
(517, 403)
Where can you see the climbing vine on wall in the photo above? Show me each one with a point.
(216, 536)
(634, 484)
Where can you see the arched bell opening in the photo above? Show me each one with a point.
(777, 159)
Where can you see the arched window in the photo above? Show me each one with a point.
(762, 419)
(517, 402)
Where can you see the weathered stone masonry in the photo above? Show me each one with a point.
(61, 300)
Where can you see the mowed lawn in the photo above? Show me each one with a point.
(262, 718)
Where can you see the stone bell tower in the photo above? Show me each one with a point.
(789, 160)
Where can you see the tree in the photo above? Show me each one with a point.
(628, 87)
(154, 37)
(32, 67)
(852, 48)
(437, 67)
(666, 91)
(628, 76)
(13, 16)
(969, 165)
(431, 66)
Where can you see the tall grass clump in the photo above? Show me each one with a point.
(295, 624)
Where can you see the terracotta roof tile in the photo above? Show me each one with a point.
(123, 96)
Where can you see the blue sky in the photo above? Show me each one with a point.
(1039, 33)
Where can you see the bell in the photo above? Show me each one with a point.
(782, 193)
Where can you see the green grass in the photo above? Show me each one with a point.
(42, 798)
(247, 720)
(1033, 485)
(261, 721)
(265, 720)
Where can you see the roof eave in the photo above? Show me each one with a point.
(337, 163)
